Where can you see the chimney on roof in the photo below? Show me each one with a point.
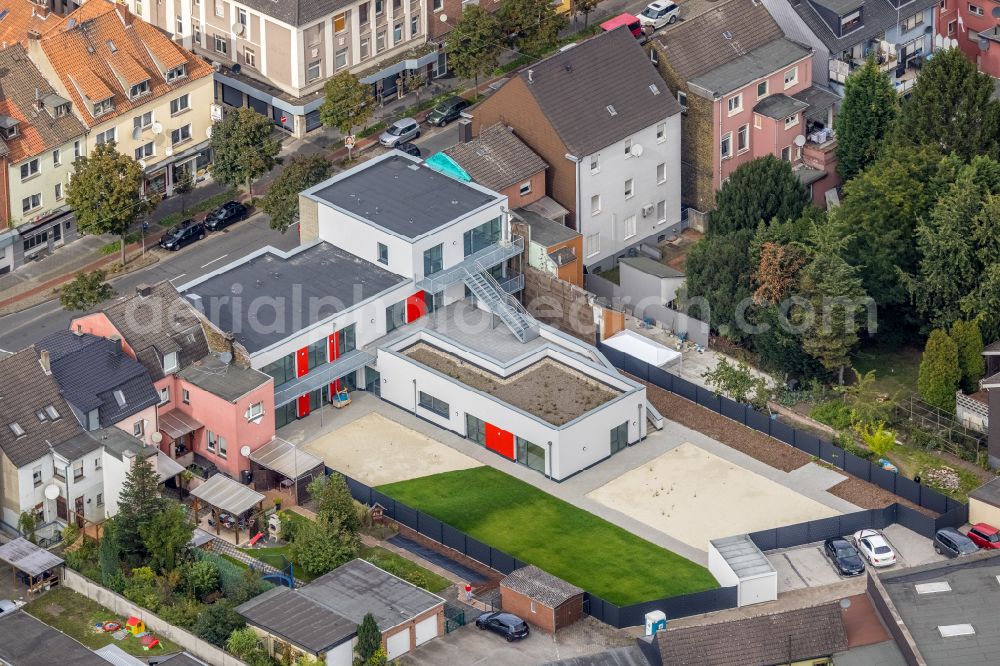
(43, 360)
(464, 130)
(124, 14)
(143, 289)
(78, 331)
(117, 339)
(34, 35)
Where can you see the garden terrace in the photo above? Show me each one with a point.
(547, 389)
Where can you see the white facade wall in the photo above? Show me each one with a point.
(30, 496)
(114, 478)
(90, 485)
(615, 166)
(342, 655)
(44, 183)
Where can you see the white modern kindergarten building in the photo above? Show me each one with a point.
(404, 286)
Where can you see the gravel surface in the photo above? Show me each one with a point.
(869, 496)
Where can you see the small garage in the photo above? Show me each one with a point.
(984, 504)
(737, 561)
(541, 599)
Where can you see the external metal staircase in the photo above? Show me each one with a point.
(489, 292)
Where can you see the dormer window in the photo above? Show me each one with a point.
(102, 107)
(61, 110)
(16, 429)
(8, 127)
(850, 22)
(170, 363)
(139, 89)
(52, 412)
(176, 73)
(119, 397)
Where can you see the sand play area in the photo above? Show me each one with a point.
(376, 450)
(694, 496)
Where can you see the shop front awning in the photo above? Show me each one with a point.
(228, 495)
(175, 424)
(282, 457)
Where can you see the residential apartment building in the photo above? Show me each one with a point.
(843, 33)
(600, 116)
(399, 291)
(40, 137)
(275, 57)
(129, 84)
(973, 28)
(747, 91)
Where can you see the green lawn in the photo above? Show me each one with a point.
(404, 568)
(540, 529)
(896, 366)
(75, 615)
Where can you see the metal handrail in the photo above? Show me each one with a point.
(490, 256)
(506, 298)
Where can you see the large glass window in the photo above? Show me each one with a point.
(284, 415)
(475, 429)
(436, 405)
(433, 260)
(395, 316)
(317, 353)
(619, 437)
(530, 455)
(282, 370)
(346, 340)
(482, 236)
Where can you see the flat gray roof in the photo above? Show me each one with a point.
(332, 279)
(290, 615)
(758, 63)
(359, 587)
(27, 557)
(26, 641)
(229, 381)
(282, 457)
(989, 493)
(228, 495)
(779, 106)
(743, 556)
(544, 231)
(885, 653)
(652, 267)
(401, 195)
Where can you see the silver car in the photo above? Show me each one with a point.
(7, 606)
(400, 131)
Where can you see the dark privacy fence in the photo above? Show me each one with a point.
(605, 611)
(953, 513)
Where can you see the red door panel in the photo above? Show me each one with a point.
(301, 362)
(416, 306)
(303, 405)
(500, 441)
(334, 352)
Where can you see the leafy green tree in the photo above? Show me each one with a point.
(983, 303)
(940, 372)
(334, 501)
(27, 524)
(139, 503)
(535, 24)
(585, 7)
(866, 403)
(348, 104)
(969, 342)
(322, 546)
(738, 382)
(474, 44)
(217, 623)
(109, 555)
(760, 190)
(141, 588)
(243, 643)
(378, 658)
(281, 203)
(877, 438)
(167, 536)
(243, 148)
(202, 578)
(950, 108)
(369, 639)
(718, 269)
(183, 186)
(866, 114)
(105, 193)
(85, 291)
(779, 348)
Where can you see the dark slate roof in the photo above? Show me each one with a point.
(993, 347)
(77, 447)
(574, 87)
(294, 617)
(879, 16)
(563, 256)
(25, 390)
(359, 587)
(758, 63)
(652, 267)
(885, 653)
(989, 492)
(159, 323)
(540, 586)
(402, 195)
(25, 641)
(621, 656)
(182, 659)
(779, 106)
(117, 442)
(840, 7)
(544, 231)
(229, 381)
(697, 46)
(296, 12)
(767, 639)
(497, 159)
(819, 100)
(89, 369)
(321, 271)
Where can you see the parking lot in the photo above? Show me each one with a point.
(808, 566)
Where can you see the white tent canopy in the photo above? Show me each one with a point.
(642, 348)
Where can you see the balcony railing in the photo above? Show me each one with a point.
(514, 284)
(489, 257)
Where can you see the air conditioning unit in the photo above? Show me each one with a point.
(216, 65)
(647, 210)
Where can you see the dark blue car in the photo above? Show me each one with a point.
(507, 625)
(845, 556)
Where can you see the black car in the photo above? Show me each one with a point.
(951, 543)
(845, 556)
(226, 214)
(409, 148)
(188, 232)
(447, 111)
(507, 625)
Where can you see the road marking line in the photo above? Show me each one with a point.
(171, 280)
(215, 260)
(792, 565)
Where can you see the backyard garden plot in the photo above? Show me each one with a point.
(377, 450)
(694, 496)
(539, 529)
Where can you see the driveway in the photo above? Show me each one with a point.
(808, 566)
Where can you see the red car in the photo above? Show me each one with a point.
(984, 536)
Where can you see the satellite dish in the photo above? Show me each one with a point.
(637, 150)
(156, 438)
(800, 140)
(238, 28)
(136, 133)
(208, 131)
(142, 164)
(444, 18)
(168, 152)
(236, 68)
(51, 491)
(245, 451)
(157, 128)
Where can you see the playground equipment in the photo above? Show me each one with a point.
(135, 626)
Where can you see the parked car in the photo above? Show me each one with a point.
(633, 23)
(874, 548)
(951, 543)
(507, 625)
(985, 536)
(447, 111)
(845, 556)
(409, 148)
(399, 132)
(188, 232)
(660, 13)
(226, 214)
(7, 606)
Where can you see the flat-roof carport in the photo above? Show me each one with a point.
(225, 496)
(33, 561)
(279, 464)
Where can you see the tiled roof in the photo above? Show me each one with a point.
(699, 45)
(20, 16)
(159, 323)
(763, 61)
(575, 87)
(296, 12)
(540, 586)
(100, 50)
(879, 16)
(496, 158)
(39, 129)
(766, 639)
(25, 390)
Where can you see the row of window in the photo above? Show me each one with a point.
(592, 242)
(661, 178)
(735, 103)
(33, 167)
(743, 137)
(284, 369)
(595, 159)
